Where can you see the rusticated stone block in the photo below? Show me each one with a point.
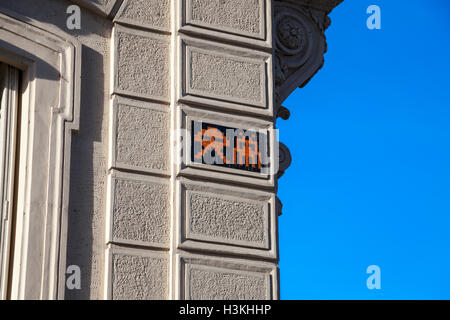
(136, 276)
(224, 76)
(248, 19)
(140, 136)
(153, 14)
(227, 219)
(206, 278)
(141, 64)
(139, 210)
(216, 284)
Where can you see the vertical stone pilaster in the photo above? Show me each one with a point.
(212, 231)
(179, 228)
(225, 222)
(138, 229)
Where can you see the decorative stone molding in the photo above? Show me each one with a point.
(324, 5)
(214, 277)
(278, 206)
(285, 159)
(138, 219)
(139, 136)
(50, 63)
(299, 44)
(187, 115)
(136, 274)
(152, 71)
(147, 14)
(101, 7)
(219, 218)
(250, 25)
(138, 210)
(140, 61)
(225, 77)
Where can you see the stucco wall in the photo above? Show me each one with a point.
(141, 224)
(89, 147)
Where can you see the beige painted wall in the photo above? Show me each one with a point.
(139, 224)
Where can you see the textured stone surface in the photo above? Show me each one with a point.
(102, 3)
(141, 211)
(216, 284)
(218, 13)
(143, 65)
(225, 76)
(86, 212)
(151, 13)
(142, 137)
(226, 219)
(103, 6)
(139, 277)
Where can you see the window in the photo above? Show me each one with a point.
(9, 108)
(39, 112)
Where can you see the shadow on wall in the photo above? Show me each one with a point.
(85, 175)
(54, 12)
(85, 247)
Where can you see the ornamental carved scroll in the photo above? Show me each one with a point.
(299, 44)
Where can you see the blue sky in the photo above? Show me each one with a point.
(370, 140)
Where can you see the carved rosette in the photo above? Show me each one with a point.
(292, 42)
(299, 44)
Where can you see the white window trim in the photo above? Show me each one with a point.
(38, 49)
(8, 126)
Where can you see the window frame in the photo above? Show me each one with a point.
(50, 64)
(8, 125)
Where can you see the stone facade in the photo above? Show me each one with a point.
(140, 223)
